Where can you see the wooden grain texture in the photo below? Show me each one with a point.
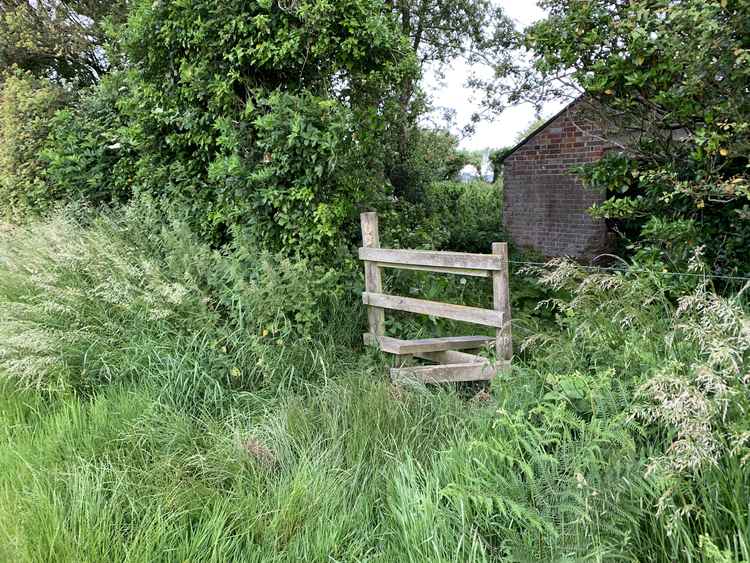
(501, 302)
(438, 269)
(446, 373)
(373, 273)
(399, 346)
(452, 357)
(430, 258)
(474, 315)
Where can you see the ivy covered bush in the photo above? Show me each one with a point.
(262, 116)
(88, 154)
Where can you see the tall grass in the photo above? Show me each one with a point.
(300, 477)
(163, 401)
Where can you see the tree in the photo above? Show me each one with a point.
(264, 119)
(439, 32)
(672, 77)
(57, 39)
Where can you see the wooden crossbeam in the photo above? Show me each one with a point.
(433, 261)
(452, 357)
(446, 373)
(475, 315)
(399, 347)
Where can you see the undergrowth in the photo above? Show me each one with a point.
(162, 400)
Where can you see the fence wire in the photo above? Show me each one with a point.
(638, 271)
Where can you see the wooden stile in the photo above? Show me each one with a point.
(373, 273)
(475, 315)
(501, 301)
(453, 365)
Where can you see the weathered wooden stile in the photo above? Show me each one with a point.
(450, 363)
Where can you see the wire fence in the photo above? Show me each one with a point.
(639, 271)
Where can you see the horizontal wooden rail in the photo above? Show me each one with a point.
(475, 315)
(401, 347)
(452, 357)
(446, 373)
(462, 263)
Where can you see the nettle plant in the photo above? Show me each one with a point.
(671, 80)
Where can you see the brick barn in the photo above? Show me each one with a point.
(544, 207)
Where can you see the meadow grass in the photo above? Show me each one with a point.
(161, 401)
(328, 473)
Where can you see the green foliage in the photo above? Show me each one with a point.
(88, 154)
(226, 389)
(472, 214)
(687, 136)
(262, 117)
(432, 156)
(496, 159)
(166, 396)
(550, 472)
(450, 215)
(55, 39)
(27, 105)
(305, 197)
(623, 437)
(82, 306)
(277, 477)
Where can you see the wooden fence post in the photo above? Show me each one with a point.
(501, 302)
(373, 275)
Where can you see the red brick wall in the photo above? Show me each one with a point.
(544, 204)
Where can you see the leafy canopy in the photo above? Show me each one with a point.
(261, 117)
(672, 77)
(56, 39)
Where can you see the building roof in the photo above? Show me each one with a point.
(538, 130)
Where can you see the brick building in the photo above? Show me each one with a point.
(545, 205)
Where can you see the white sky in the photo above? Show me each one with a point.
(452, 94)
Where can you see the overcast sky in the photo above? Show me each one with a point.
(501, 132)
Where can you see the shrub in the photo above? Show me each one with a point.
(612, 432)
(449, 216)
(306, 195)
(263, 117)
(88, 154)
(471, 212)
(26, 106)
(431, 155)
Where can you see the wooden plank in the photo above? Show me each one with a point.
(437, 269)
(431, 258)
(475, 315)
(399, 346)
(373, 273)
(452, 357)
(501, 302)
(447, 373)
(385, 343)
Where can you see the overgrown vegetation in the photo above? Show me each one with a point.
(162, 396)
(182, 374)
